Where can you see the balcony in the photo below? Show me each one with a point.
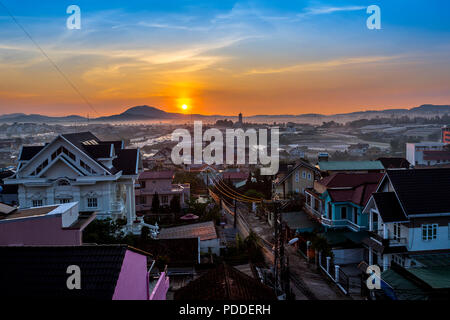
(314, 212)
(388, 240)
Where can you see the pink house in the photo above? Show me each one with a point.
(51, 225)
(107, 272)
(160, 182)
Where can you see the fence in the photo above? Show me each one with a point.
(335, 273)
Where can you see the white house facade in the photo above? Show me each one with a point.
(409, 215)
(99, 175)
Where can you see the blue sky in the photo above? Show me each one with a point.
(226, 56)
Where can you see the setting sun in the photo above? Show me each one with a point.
(184, 107)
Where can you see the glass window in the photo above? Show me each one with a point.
(429, 232)
(62, 201)
(38, 203)
(92, 202)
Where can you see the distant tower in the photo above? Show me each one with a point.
(240, 118)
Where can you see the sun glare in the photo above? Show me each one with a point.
(184, 107)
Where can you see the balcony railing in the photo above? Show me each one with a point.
(390, 240)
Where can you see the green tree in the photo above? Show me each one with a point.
(175, 204)
(155, 203)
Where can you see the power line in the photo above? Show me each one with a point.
(48, 58)
(238, 194)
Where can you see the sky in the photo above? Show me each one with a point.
(223, 57)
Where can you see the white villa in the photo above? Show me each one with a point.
(99, 175)
(409, 216)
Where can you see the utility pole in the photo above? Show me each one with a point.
(235, 214)
(276, 251)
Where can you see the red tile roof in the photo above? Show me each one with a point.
(352, 187)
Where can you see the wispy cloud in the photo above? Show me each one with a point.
(322, 65)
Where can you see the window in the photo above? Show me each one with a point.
(143, 200)
(40, 168)
(165, 199)
(304, 175)
(343, 213)
(86, 167)
(64, 151)
(62, 201)
(429, 232)
(309, 176)
(92, 202)
(297, 176)
(38, 203)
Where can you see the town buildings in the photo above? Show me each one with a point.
(79, 167)
(205, 232)
(427, 153)
(295, 180)
(337, 201)
(409, 216)
(446, 135)
(160, 183)
(49, 225)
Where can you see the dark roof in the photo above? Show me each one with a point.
(99, 151)
(41, 271)
(79, 138)
(350, 180)
(422, 191)
(117, 144)
(389, 207)
(394, 163)
(126, 161)
(175, 252)
(29, 152)
(225, 283)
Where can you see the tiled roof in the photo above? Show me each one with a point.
(225, 283)
(350, 165)
(204, 231)
(422, 191)
(126, 161)
(153, 175)
(350, 180)
(29, 152)
(99, 151)
(389, 207)
(351, 187)
(40, 272)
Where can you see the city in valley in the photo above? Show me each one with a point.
(259, 152)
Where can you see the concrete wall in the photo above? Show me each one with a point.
(348, 256)
(161, 288)
(133, 281)
(38, 231)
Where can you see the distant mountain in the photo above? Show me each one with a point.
(140, 113)
(32, 118)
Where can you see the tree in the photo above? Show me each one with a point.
(155, 203)
(175, 204)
